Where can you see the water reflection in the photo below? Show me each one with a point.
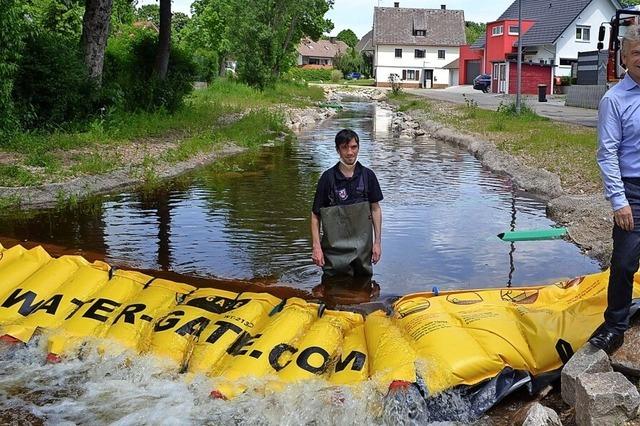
(248, 216)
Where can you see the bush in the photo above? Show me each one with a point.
(129, 79)
(11, 43)
(52, 86)
(297, 74)
(336, 76)
(206, 65)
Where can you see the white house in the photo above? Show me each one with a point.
(419, 46)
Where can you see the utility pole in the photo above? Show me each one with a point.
(519, 71)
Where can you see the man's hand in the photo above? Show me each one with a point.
(624, 218)
(376, 252)
(318, 256)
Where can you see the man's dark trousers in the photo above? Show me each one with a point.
(624, 264)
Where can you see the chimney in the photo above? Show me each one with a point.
(396, 4)
(443, 6)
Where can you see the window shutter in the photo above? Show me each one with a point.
(404, 74)
(417, 75)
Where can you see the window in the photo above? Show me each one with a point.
(411, 75)
(419, 33)
(398, 53)
(513, 29)
(441, 54)
(583, 33)
(567, 61)
(497, 30)
(419, 53)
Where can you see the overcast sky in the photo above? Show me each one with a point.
(358, 14)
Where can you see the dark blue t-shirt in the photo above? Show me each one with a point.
(336, 189)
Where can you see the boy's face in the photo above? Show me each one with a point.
(349, 152)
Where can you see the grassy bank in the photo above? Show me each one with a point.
(564, 149)
(224, 112)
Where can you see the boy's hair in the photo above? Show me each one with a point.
(344, 136)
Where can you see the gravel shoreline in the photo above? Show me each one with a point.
(52, 194)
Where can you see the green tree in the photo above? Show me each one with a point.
(13, 27)
(179, 21)
(150, 13)
(207, 32)
(60, 16)
(350, 61)
(348, 37)
(265, 35)
(123, 12)
(474, 30)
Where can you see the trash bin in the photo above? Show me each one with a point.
(542, 93)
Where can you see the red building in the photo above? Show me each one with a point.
(498, 56)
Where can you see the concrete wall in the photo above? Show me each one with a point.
(585, 96)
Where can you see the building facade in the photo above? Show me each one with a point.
(416, 47)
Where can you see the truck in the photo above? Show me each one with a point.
(617, 26)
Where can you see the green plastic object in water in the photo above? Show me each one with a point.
(533, 235)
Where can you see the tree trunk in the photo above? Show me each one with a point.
(276, 69)
(95, 31)
(164, 40)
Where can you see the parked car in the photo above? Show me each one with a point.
(482, 82)
(353, 76)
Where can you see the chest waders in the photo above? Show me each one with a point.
(347, 235)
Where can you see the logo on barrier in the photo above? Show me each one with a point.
(216, 304)
(570, 283)
(521, 297)
(422, 306)
(464, 298)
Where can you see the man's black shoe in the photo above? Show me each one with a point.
(607, 341)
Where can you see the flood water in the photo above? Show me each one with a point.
(248, 217)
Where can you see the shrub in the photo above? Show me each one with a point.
(11, 43)
(336, 76)
(206, 65)
(297, 74)
(396, 86)
(129, 79)
(52, 86)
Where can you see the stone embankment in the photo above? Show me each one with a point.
(51, 194)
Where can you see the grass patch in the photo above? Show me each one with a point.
(415, 104)
(253, 129)
(87, 164)
(14, 175)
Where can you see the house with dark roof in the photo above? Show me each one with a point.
(553, 33)
(365, 45)
(319, 54)
(418, 47)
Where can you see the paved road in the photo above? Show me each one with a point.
(553, 109)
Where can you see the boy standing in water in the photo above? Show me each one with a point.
(346, 205)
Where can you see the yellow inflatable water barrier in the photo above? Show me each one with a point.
(492, 340)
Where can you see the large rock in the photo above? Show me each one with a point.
(588, 359)
(605, 399)
(626, 359)
(536, 414)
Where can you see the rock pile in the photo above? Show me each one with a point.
(404, 125)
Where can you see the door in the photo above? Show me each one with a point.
(502, 83)
(428, 79)
(472, 71)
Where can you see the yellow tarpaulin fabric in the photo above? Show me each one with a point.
(442, 341)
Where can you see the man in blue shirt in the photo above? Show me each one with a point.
(619, 161)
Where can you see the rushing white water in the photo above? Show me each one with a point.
(132, 390)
